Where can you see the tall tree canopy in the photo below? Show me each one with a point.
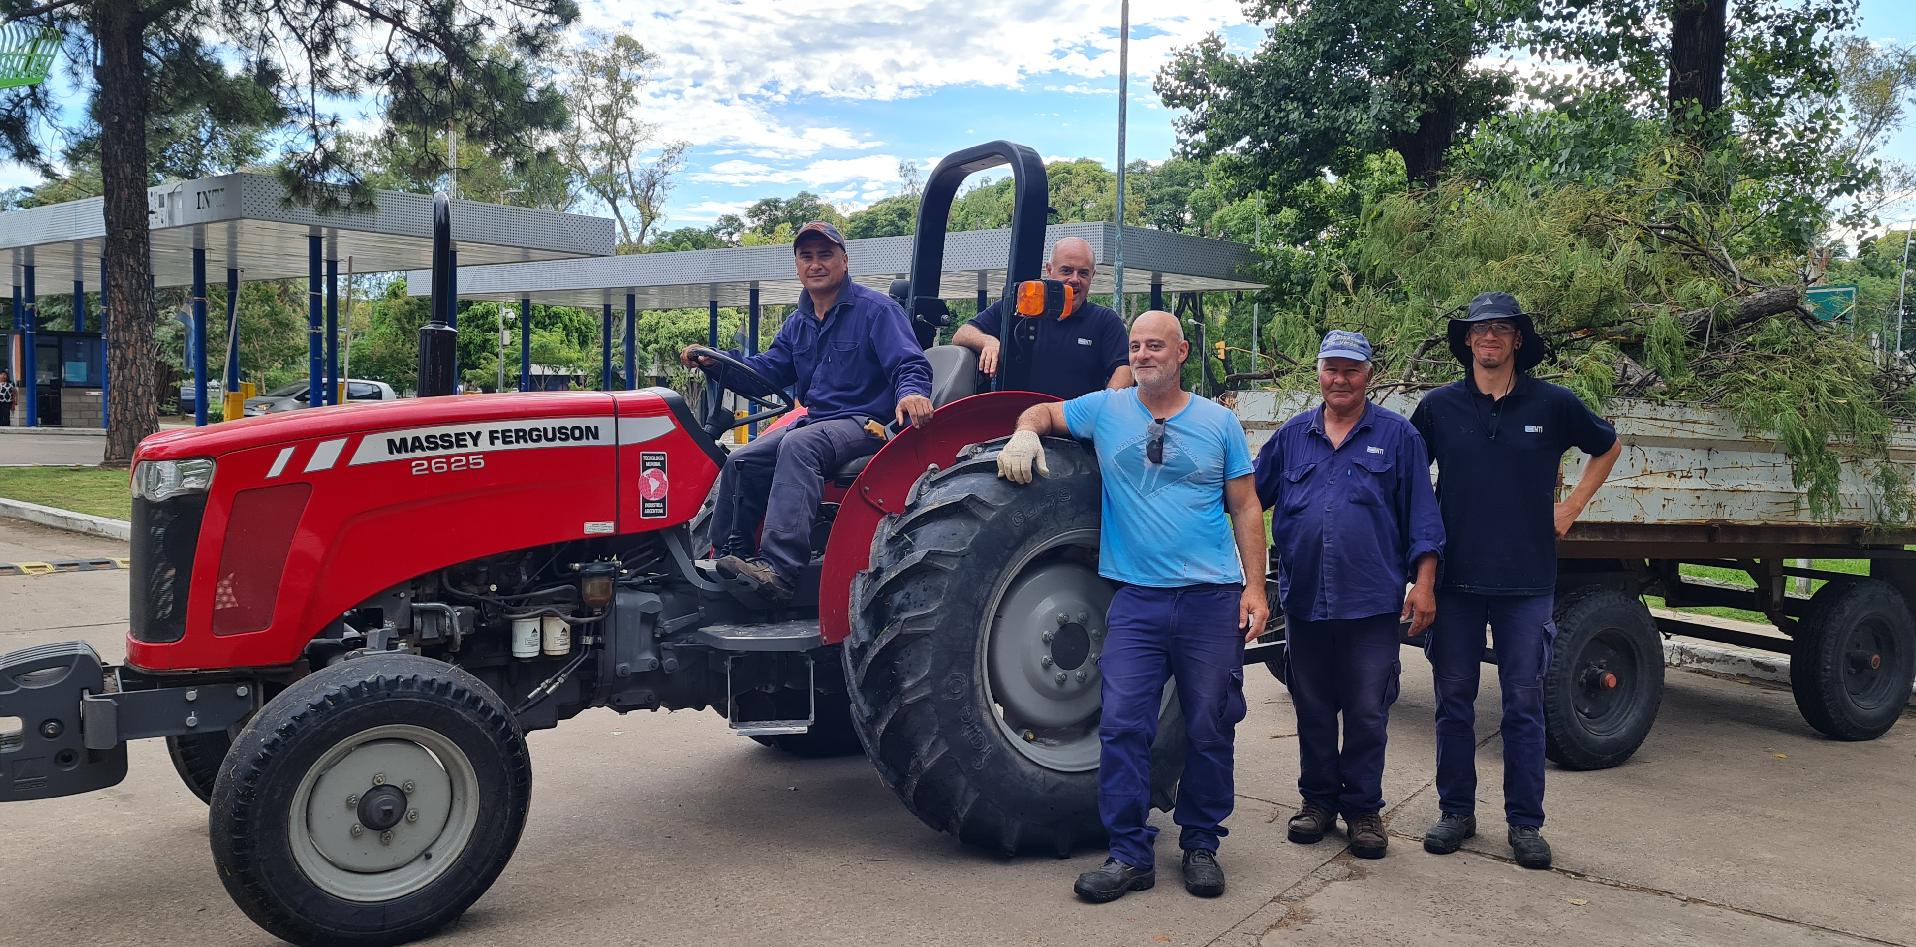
(279, 63)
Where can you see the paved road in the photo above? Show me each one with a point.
(1735, 824)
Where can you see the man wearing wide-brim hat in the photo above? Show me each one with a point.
(1498, 438)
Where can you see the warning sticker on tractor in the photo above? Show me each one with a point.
(653, 485)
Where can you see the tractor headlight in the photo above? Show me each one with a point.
(158, 480)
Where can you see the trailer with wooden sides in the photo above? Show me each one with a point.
(1693, 487)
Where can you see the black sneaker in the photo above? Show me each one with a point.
(1110, 881)
(1449, 833)
(1310, 823)
(1202, 874)
(1532, 851)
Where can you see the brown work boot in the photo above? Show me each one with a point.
(1367, 835)
(759, 575)
(1310, 823)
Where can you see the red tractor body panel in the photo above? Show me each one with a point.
(881, 490)
(318, 511)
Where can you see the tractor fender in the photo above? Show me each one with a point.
(881, 488)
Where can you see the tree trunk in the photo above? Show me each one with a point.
(132, 357)
(1698, 44)
(1423, 150)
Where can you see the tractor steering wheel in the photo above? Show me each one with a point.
(767, 397)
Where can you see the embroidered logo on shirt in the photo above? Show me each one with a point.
(1374, 450)
(1533, 429)
(1084, 341)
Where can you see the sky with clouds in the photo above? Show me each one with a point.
(777, 96)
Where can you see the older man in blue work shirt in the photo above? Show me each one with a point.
(1075, 354)
(1354, 519)
(1498, 438)
(849, 355)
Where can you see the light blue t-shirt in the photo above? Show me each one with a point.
(1164, 525)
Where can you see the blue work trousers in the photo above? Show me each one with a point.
(1346, 668)
(1522, 632)
(1155, 635)
(778, 478)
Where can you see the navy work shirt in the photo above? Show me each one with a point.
(1074, 355)
(1497, 465)
(855, 363)
(1351, 521)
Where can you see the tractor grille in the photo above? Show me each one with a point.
(164, 536)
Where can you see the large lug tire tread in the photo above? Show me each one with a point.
(1816, 656)
(914, 659)
(832, 733)
(1579, 616)
(197, 758)
(250, 825)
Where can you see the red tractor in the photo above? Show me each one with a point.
(345, 620)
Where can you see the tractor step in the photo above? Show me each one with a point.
(771, 636)
(776, 674)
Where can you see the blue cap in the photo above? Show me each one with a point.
(818, 228)
(1341, 344)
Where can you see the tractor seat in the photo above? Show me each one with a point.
(954, 375)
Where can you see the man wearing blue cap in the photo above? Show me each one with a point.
(1354, 520)
(849, 355)
(1498, 439)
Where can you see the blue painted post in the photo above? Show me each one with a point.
(79, 301)
(29, 370)
(332, 331)
(315, 301)
(231, 381)
(751, 336)
(525, 343)
(605, 349)
(199, 337)
(711, 329)
(1157, 292)
(631, 342)
(106, 365)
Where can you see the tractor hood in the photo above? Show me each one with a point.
(366, 417)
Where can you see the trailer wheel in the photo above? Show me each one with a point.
(371, 802)
(1605, 681)
(974, 653)
(1853, 659)
(197, 757)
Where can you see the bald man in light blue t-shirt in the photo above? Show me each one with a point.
(1180, 517)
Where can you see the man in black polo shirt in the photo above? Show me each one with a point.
(1080, 352)
(1498, 438)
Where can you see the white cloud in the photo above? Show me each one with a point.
(866, 171)
(704, 212)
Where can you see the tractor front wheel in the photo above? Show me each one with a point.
(974, 656)
(371, 802)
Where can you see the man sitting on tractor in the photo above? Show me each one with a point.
(849, 356)
(1077, 353)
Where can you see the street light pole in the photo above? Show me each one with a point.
(504, 314)
(1124, 92)
(1902, 280)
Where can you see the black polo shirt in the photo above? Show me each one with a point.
(1073, 356)
(1497, 463)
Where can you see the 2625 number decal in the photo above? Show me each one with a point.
(451, 464)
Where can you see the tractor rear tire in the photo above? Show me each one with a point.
(197, 758)
(371, 803)
(832, 733)
(1853, 659)
(973, 656)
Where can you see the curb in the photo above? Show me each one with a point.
(66, 519)
(1722, 660)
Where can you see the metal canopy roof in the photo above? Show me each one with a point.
(974, 260)
(245, 221)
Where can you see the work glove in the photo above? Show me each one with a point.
(1020, 454)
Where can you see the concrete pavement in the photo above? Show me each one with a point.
(1735, 824)
(47, 446)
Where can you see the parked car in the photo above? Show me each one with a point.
(294, 396)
